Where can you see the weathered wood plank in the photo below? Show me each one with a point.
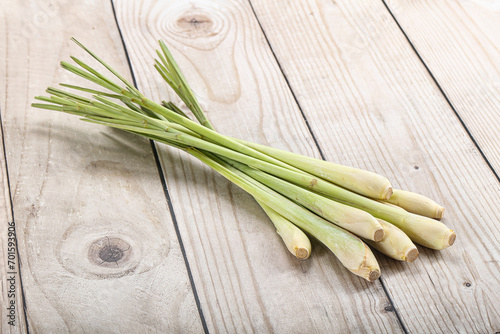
(463, 57)
(372, 104)
(81, 192)
(12, 318)
(247, 281)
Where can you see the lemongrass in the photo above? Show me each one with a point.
(295, 240)
(395, 244)
(418, 230)
(416, 203)
(358, 180)
(310, 189)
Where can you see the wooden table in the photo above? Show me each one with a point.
(408, 89)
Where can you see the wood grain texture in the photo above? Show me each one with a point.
(97, 246)
(464, 58)
(246, 279)
(372, 104)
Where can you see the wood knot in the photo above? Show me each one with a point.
(195, 25)
(110, 252)
(202, 26)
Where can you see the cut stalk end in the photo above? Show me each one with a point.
(302, 253)
(388, 191)
(378, 235)
(373, 275)
(411, 255)
(395, 244)
(295, 240)
(428, 232)
(450, 238)
(368, 268)
(439, 212)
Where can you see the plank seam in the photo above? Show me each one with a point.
(288, 84)
(391, 302)
(457, 114)
(21, 285)
(389, 298)
(165, 188)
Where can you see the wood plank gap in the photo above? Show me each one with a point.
(177, 232)
(18, 258)
(164, 186)
(288, 83)
(391, 302)
(394, 308)
(469, 133)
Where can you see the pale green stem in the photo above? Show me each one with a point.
(294, 239)
(358, 180)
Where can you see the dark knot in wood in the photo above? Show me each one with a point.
(198, 23)
(110, 252)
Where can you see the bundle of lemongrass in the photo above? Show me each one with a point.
(340, 206)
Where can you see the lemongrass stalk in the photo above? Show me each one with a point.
(352, 219)
(358, 180)
(416, 203)
(295, 240)
(392, 205)
(170, 71)
(395, 244)
(351, 251)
